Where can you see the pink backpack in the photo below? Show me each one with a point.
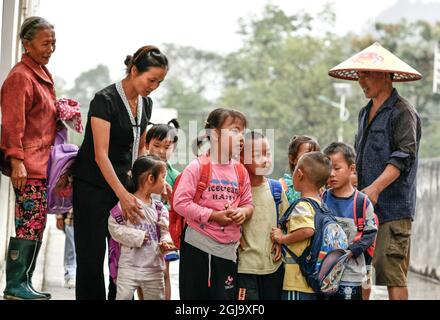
(114, 248)
(59, 174)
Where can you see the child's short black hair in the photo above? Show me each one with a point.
(143, 166)
(316, 166)
(346, 150)
(163, 131)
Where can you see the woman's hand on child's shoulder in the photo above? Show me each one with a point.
(131, 208)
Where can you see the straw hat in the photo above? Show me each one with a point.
(375, 58)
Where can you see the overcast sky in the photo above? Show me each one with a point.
(90, 32)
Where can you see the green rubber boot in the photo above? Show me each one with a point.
(31, 272)
(21, 256)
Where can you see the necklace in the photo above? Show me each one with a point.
(134, 123)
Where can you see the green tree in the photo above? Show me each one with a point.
(278, 74)
(86, 85)
(192, 85)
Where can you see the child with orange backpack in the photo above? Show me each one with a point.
(355, 213)
(213, 195)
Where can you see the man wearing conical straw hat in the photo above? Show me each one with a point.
(387, 144)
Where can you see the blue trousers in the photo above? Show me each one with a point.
(69, 254)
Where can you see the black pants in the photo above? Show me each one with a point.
(261, 287)
(91, 207)
(194, 280)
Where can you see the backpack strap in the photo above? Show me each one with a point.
(159, 209)
(158, 205)
(205, 175)
(276, 190)
(293, 257)
(177, 222)
(286, 215)
(324, 196)
(240, 171)
(116, 213)
(316, 206)
(61, 136)
(284, 248)
(282, 222)
(359, 212)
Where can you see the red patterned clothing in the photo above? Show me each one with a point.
(31, 210)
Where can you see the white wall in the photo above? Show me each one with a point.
(425, 249)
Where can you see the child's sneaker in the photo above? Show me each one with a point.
(69, 283)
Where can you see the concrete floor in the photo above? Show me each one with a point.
(49, 273)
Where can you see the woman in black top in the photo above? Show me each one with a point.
(114, 137)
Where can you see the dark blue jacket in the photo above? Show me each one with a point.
(392, 137)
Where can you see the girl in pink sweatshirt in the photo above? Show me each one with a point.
(208, 252)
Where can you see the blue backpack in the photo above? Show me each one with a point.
(323, 262)
(276, 189)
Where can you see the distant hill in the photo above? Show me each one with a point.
(410, 10)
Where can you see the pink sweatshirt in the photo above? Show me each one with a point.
(222, 189)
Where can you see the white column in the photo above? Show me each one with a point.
(8, 37)
(436, 73)
(9, 18)
(12, 14)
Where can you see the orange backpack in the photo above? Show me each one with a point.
(177, 222)
(359, 215)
